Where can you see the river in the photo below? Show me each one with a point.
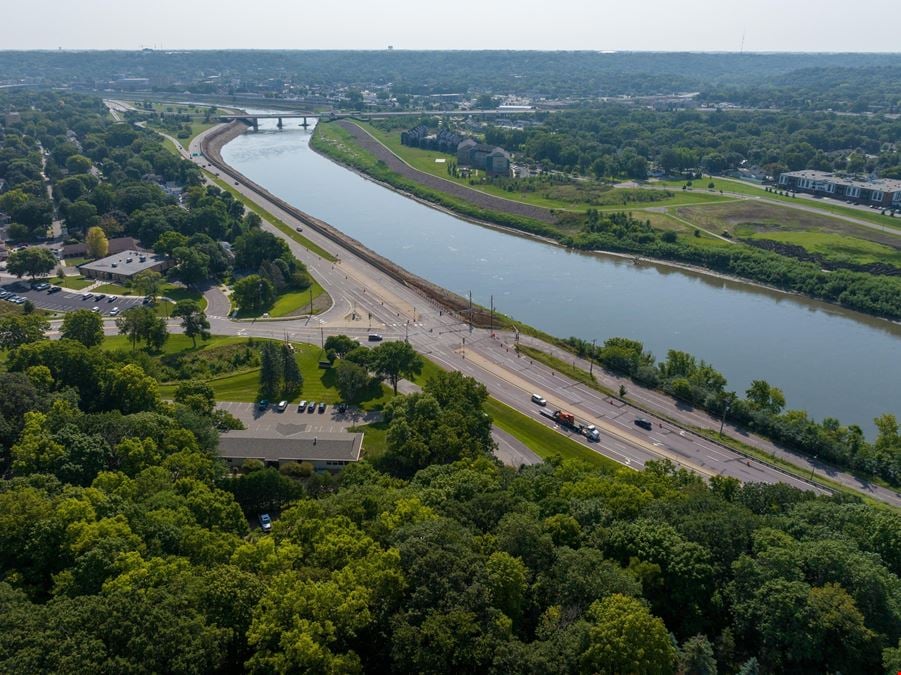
(827, 361)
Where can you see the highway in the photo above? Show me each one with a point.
(359, 291)
(367, 300)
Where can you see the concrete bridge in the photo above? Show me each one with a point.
(253, 120)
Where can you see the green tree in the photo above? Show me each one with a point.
(131, 390)
(84, 326)
(340, 344)
(191, 266)
(198, 396)
(78, 164)
(696, 657)
(624, 637)
(80, 217)
(292, 378)
(507, 579)
(395, 360)
(33, 261)
(148, 283)
(141, 324)
(22, 329)
(169, 241)
(271, 370)
(96, 243)
(193, 320)
(254, 294)
(351, 380)
(762, 396)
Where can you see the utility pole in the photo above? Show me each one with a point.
(470, 311)
(322, 336)
(492, 316)
(594, 344)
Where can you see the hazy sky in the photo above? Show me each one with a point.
(696, 25)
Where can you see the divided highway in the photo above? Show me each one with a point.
(366, 299)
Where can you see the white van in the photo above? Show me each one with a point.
(539, 399)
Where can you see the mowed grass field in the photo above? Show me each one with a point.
(833, 238)
(729, 185)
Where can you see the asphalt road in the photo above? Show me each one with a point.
(398, 313)
(360, 291)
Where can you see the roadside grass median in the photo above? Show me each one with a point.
(541, 439)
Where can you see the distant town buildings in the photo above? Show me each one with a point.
(492, 160)
(470, 153)
(877, 191)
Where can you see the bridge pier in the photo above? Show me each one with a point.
(304, 124)
(280, 125)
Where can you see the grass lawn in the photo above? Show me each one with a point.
(175, 344)
(296, 303)
(838, 247)
(318, 383)
(375, 441)
(831, 237)
(112, 289)
(75, 283)
(74, 262)
(746, 188)
(542, 440)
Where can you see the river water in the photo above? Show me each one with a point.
(827, 361)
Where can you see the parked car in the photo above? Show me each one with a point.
(95, 309)
(312, 406)
(54, 289)
(112, 298)
(100, 296)
(263, 404)
(114, 311)
(342, 408)
(302, 406)
(282, 406)
(322, 407)
(643, 423)
(86, 296)
(265, 522)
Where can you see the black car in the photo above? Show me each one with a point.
(54, 289)
(643, 423)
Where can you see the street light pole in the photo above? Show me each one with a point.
(594, 343)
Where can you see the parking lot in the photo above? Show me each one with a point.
(271, 419)
(68, 300)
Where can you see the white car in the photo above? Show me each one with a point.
(95, 309)
(282, 406)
